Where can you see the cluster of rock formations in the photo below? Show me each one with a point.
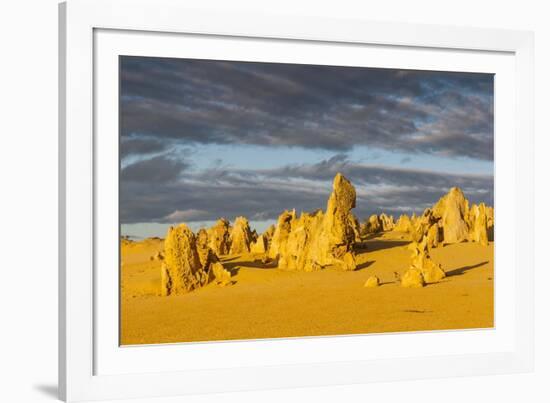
(377, 223)
(316, 240)
(423, 269)
(450, 220)
(189, 262)
(312, 241)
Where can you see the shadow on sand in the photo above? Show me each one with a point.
(364, 265)
(462, 270)
(233, 265)
(372, 246)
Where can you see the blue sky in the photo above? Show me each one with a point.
(203, 139)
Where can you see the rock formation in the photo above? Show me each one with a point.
(372, 282)
(459, 222)
(218, 274)
(206, 255)
(378, 223)
(268, 234)
(426, 224)
(280, 236)
(354, 223)
(403, 223)
(319, 239)
(333, 245)
(386, 222)
(452, 210)
(218, 237)
(490, 223)
(297, 253)
(432, 236)
(422, 266)
(253, 236)
(479, 227)
(157, 256)
(241, 236)
(412, 278)
(189, 262)
(181, 270)
(372, 225)
(260, 245)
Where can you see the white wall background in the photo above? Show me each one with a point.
(28, 200)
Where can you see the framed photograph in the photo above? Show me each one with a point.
(257, 201)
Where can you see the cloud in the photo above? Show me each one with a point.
(323, 107)
(141, 146)
(186, 215)
(156, 169)
(264, 194)
(365, 174)
(170, 107)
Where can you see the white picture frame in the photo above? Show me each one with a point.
(82, 329)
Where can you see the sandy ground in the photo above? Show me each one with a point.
(265, 302)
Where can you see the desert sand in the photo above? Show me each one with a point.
(319, 274)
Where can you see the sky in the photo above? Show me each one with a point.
(204, 139)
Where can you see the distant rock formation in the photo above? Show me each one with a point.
(206, 255)
(372, 225)
(452, 210)
(403, 223)
(281, 233)
(490, 223)
(319, 239)
(297, 253)
(260, 245)
(386, 222)
(268, 234)
(241, 236)
(356, 226)
(450, 220)
(378, 223)
(422, 225)
(189, 263)
(433, 237)
(479, 224)
(459, 222)
(253, 236)
(219, 237)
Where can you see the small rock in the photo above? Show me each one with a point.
(372, 282)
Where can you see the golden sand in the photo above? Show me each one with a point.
(265, 302)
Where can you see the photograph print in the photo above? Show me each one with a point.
(270, 200)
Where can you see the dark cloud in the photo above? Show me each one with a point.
(261, 195)
(325, 107)
(141, 146)
(378, 175)
(158, 169)
(169, 107)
